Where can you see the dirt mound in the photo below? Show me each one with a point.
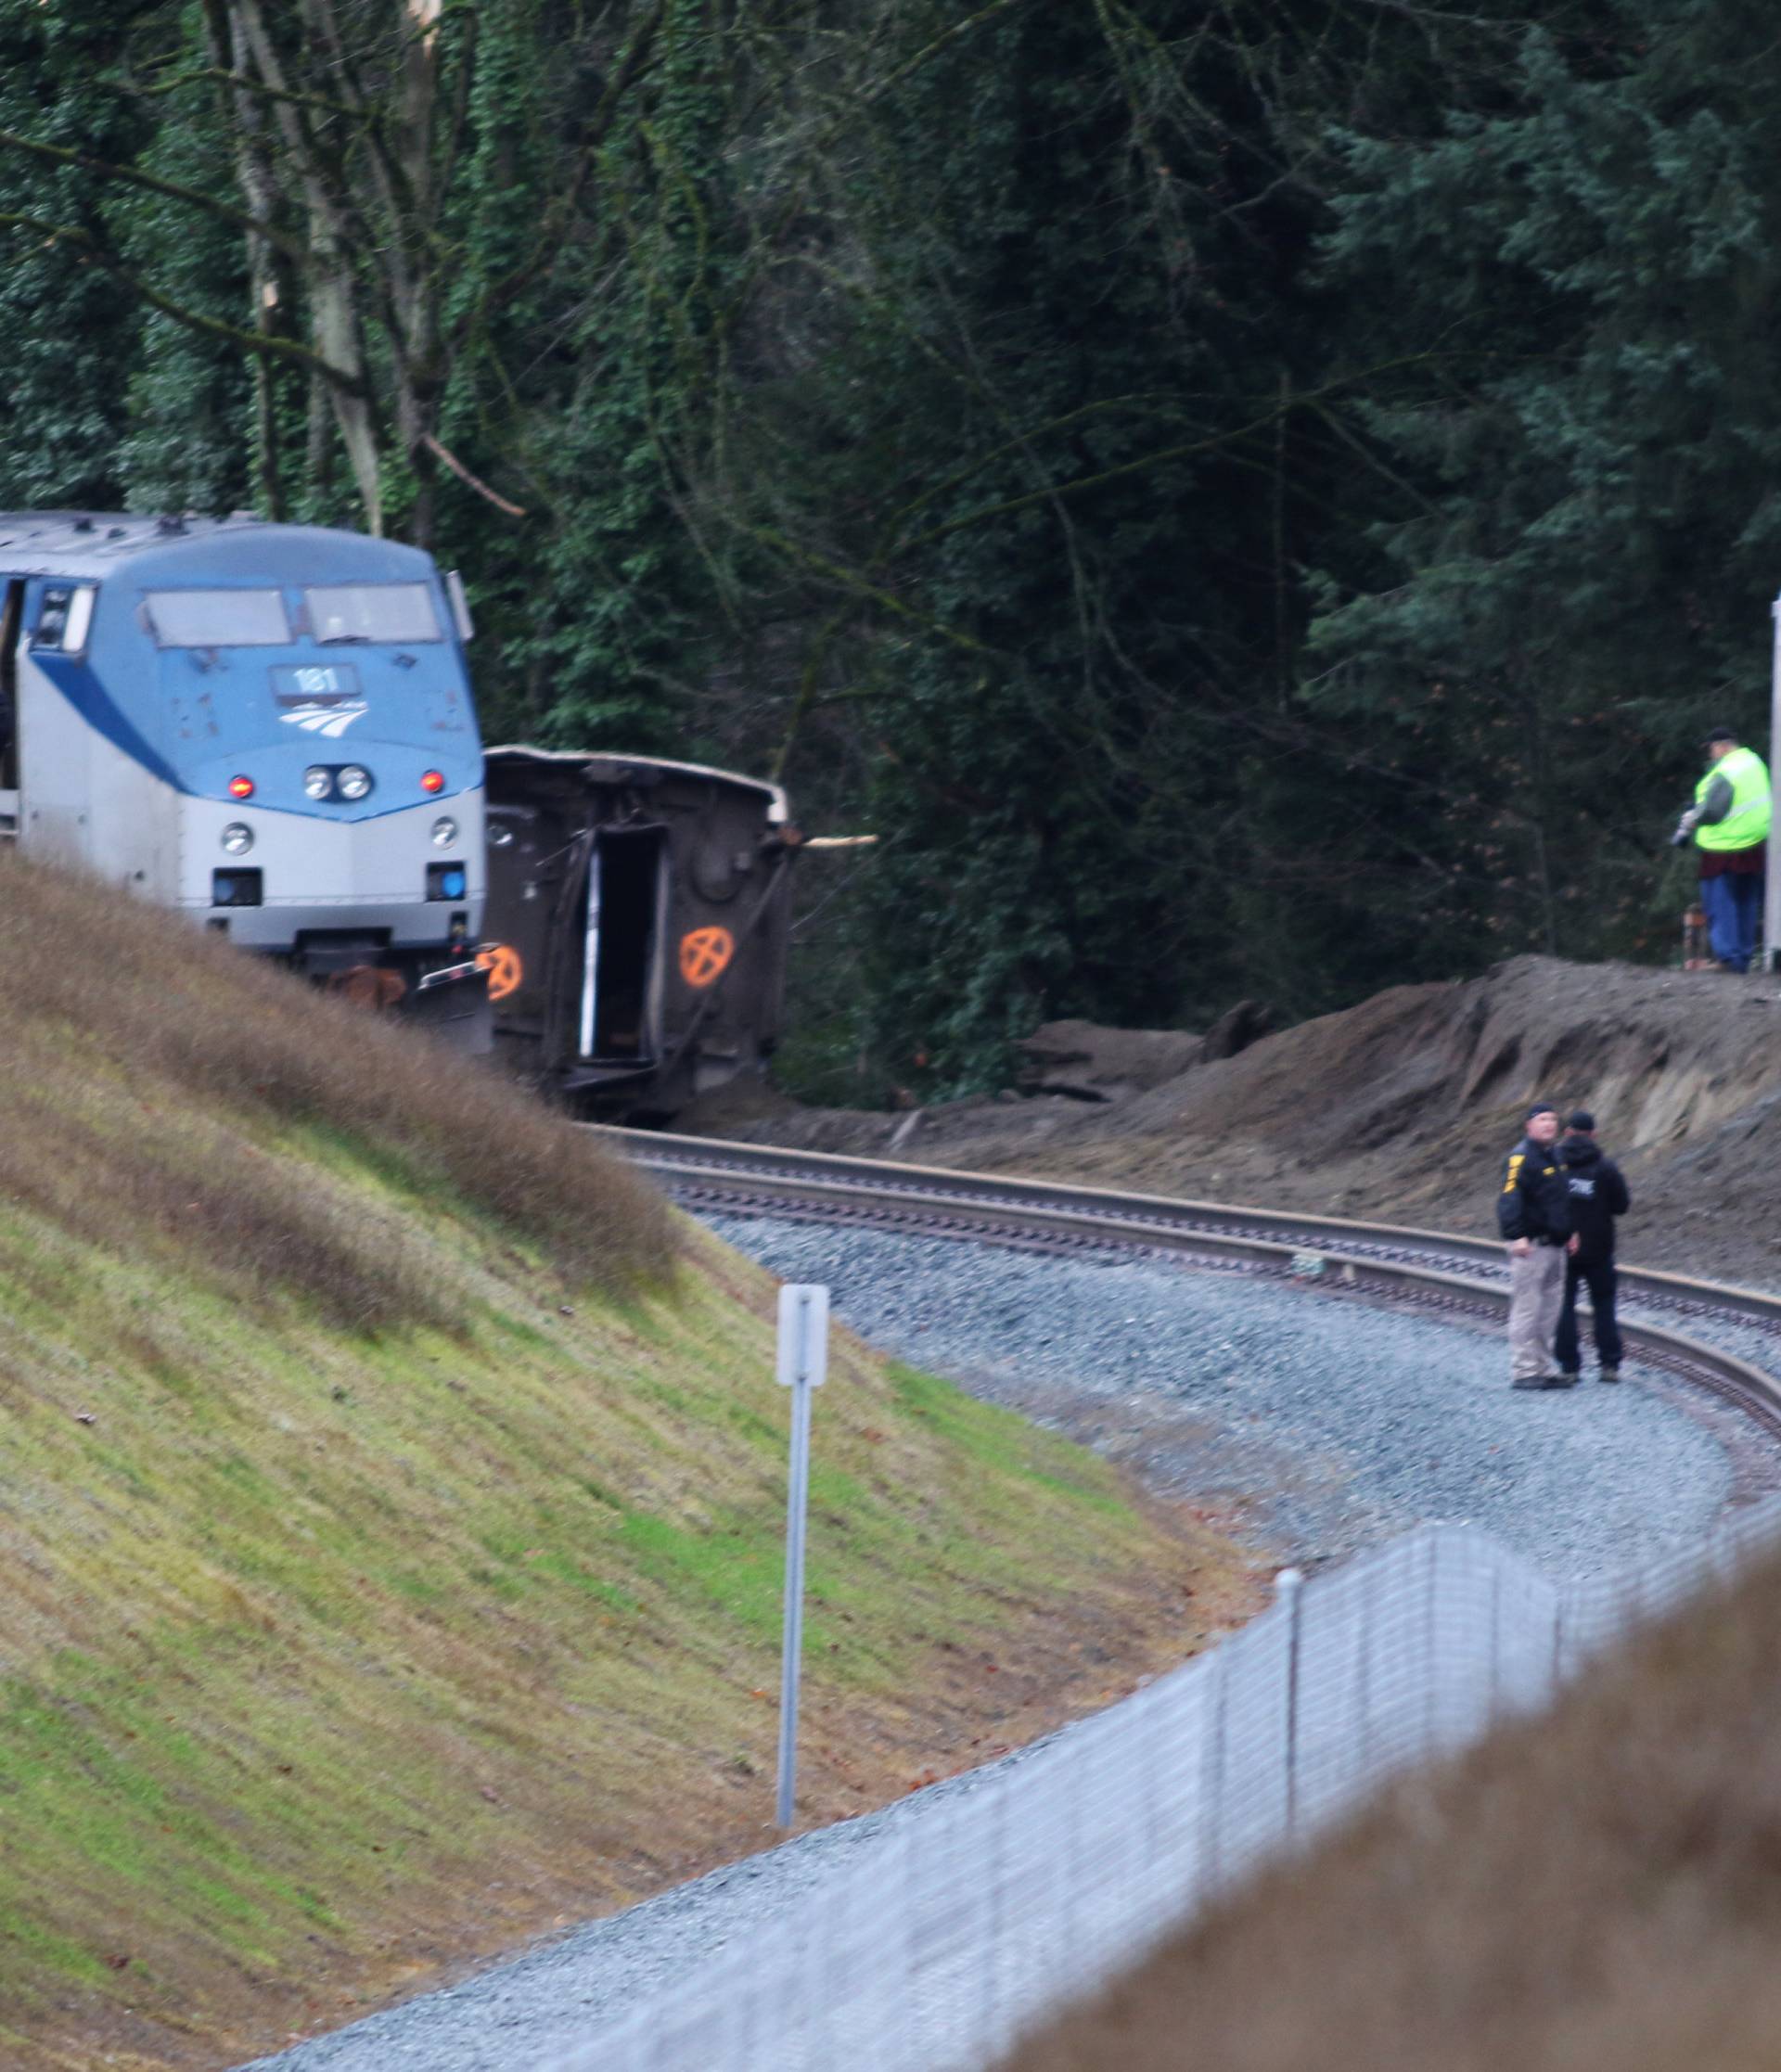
(1402, 1108)
(1089, 1063)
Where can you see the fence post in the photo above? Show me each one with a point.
(1212, 1803)
(1496, 1639)
(804, 1363)
(1289, 1586)
(992, 2043)
(1366, 1621)
(1431, 1646)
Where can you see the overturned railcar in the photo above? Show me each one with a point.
(636, 926)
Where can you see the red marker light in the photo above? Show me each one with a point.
(240, 787)
(432, 780)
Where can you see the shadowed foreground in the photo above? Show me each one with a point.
(1599, 1891)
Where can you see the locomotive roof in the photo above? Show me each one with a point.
(95, 543)
(777, 808)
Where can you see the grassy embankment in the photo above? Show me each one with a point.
(1599, 1890)
(389, 1510)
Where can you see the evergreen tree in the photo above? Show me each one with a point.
(1589, 270)
(69, 333)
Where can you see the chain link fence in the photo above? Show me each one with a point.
(954, 1933)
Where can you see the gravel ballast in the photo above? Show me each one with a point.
(1325, 1424)
(1313, 1426)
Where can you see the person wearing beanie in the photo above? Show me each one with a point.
(1729, 822)
(1534, 1214)
(1599, 1193)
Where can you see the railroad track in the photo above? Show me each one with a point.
(1429, 1271)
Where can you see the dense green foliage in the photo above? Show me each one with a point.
(1239, 500)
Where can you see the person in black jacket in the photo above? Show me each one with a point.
(1533, 1213)
(1597, 1196)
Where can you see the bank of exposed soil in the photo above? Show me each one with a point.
(1400, 1109)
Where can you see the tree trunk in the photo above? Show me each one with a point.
(333, 290)
(334, 319)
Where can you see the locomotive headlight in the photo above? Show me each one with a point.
(444, 831)
(318, 783)
(353, 780)
(237, 837)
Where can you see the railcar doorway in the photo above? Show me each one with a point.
(627, 894)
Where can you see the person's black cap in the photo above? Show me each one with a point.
(1540, 1108)
(1580, 1118)
(1717, 734)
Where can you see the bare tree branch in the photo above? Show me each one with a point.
(193, 197)
(464, 475)
(940, 43)
(91, 252)
(639, 55)
(1309, 399)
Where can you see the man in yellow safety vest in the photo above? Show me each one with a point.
(1729, 821)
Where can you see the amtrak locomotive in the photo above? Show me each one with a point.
(267, 728)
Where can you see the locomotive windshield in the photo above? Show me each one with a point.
(393, 611)
(219, 619)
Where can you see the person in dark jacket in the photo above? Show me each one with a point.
(1597, 1196)
(1533, 1213)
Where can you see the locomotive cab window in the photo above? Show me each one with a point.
(371, 611)
(218, 618)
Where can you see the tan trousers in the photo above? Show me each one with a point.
(1536, 1296)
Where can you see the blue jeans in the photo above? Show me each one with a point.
(1732, 904)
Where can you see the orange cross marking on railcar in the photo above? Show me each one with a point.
(504, 967)
(705, 954)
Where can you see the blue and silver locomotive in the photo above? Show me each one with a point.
(266, 728)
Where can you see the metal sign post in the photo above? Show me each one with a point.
(803, 1364)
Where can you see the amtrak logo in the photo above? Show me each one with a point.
(331, 720)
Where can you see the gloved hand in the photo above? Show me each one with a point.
(1685, 827)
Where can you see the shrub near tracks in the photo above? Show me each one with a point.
(152, 1074)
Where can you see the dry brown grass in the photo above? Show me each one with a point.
(329, 1657)
(1599, 1890)
(117, 1023)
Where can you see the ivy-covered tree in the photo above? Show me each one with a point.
(1236, 500)
(348, 126)
(1081, 415)
(64, 405)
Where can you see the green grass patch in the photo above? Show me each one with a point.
(397, 1568)
(325, 1614)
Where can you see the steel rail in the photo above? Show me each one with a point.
(1426, 1270)
(1478, 1255)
